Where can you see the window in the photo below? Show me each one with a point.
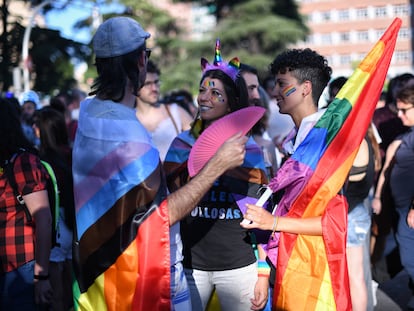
(344, 36)
(381, 11)
(404, 33)
(362, 13)
(326, 38)
(362, 36)
(343, 15)
(402, 56)
(379, 32)
(401, 10)
(345, 59)
(326, 16)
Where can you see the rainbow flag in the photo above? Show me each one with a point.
(311, 271)
(121, 254)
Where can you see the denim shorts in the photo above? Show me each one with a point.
(359, 224)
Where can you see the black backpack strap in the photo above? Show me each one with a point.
(9, 171)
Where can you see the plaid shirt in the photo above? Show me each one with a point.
(17, 236)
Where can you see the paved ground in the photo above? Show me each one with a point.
(394, 293)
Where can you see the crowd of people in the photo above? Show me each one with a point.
(136, 231)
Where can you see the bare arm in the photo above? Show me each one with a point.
(264, 220)
(38, 205)
(389, 155)
(231, 154)
(261, 289)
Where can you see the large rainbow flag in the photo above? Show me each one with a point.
(311, 271)
(122, 253)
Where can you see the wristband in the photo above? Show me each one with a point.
(41, 277)
(275, 221)
(263, 268)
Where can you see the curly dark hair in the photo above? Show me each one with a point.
(305, 65)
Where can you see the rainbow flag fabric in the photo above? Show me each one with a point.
(311, 271)
(122, 253)
(252, 171)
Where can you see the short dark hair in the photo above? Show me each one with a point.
(247, 68)
(305, 65)
(406, 93)
(153, 68)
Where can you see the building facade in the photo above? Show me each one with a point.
(345, 31)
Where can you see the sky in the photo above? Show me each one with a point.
(64, 20)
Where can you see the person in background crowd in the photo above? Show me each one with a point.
(399, 165)
(258, 97)
(385, 119)
(25, 230)
(334, 86)
(183, 98)
(50, 128)
(29, 102)
(163, 121)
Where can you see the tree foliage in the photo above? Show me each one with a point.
(253, 30)
(50, 55)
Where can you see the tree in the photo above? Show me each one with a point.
(253, 30)
(50, 55)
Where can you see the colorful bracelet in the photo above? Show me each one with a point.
(263, 268)
(41, 277)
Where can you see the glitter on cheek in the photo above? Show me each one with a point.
(289, 90)
(218, 98)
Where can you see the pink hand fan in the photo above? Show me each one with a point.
(217, 133)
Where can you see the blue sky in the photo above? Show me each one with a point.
(64, 20)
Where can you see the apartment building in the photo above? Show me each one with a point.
(345, 31)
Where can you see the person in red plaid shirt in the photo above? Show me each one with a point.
(24, 245)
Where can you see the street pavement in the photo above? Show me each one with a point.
(394, 294)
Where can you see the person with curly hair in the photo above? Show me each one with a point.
(301, 75)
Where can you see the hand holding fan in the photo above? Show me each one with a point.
(218, 132)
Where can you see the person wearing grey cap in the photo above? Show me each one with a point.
(127, 249)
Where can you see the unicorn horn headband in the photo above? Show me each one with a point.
(231, 69)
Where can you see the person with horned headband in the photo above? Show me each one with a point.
(126, 236)
(218, 254)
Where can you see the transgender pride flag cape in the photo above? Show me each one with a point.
(121, 253)
(311, 271)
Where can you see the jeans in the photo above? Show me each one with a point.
(180, 294)
(17, 289)
(234, 287)
(405, 240)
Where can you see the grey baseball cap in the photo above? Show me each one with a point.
(118, 36)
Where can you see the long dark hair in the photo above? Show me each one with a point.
(113, 73)
(53, 131)
(236, 92)
(12, 137)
